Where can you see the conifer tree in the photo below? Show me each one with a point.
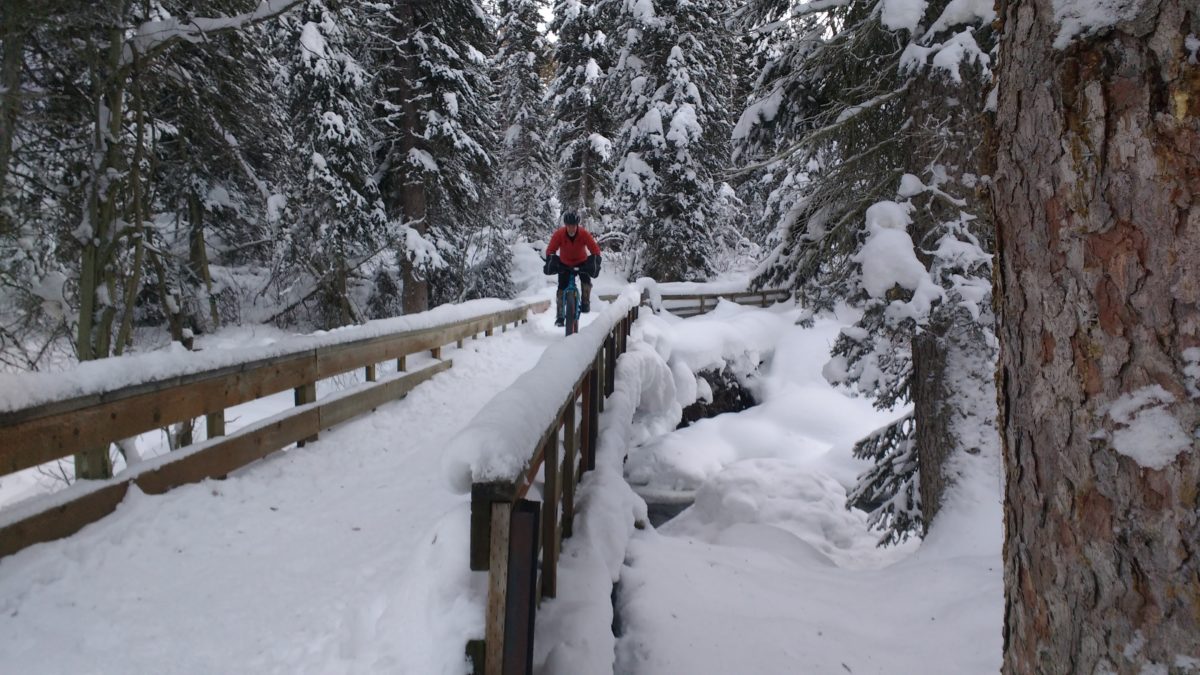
(582, 127)
(868, 125)
(339, 217)
(525, 167)
(436, 117)
(670, 85)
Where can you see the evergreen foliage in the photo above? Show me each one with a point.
(888, 491)
(525, 166)
(437, 115)
(854, 108)
(671, 87)
(339, 220)
(582, 126)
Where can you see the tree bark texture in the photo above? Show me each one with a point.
(1097, 199)
(411, 183)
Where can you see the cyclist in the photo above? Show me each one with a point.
(574, 247)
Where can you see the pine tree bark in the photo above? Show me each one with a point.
(411, 185)
(1097, 199)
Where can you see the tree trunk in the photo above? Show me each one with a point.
(1097, 198)
(411, 184)
(954, 352)
(12, 56)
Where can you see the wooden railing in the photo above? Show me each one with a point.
(50, 431)
(510, 534)
(693, 304)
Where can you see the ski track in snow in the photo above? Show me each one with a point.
(285, 567)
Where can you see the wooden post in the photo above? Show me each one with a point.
(436, 352)
(497, 598)
(402, 364)
(764, 299)
(610, 368)
(569, 474)
(214, 424)
(551, 492)
(483, 495)
(601, 362)
(585, 421)
(592, 412)
(372, 373)
(701, 305)
(460, 344)
(488, 332)
(306, 394)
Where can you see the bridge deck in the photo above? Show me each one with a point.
(314, 560)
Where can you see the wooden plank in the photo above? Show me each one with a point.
(592, 413)
(349, 406)
(585, 421)
(37, 441)
(551, 494)
(61, 521)
(214, 424)
(500, 516)
(570, 476)
(231, 452)
(483, 495)
(305, 394)
(250, 369)
(217, 458)
(521, 598)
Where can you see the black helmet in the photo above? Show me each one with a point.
(570, 218)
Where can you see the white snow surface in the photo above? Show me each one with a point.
(902, 14)
(499, 441)
(962, 12)
(888, 259)
(1148, 433)
(1082, 17)
(349, 555)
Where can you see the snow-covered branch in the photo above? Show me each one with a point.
(156, 35)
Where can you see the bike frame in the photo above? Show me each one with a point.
(571, 321)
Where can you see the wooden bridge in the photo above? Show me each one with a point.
(514, 539)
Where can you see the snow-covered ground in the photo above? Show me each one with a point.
(768, 572)
(350, 555)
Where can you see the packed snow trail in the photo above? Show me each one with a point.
(313, 560)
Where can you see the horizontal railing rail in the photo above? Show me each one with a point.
(45, 432)
(517, 541)
(694, 304)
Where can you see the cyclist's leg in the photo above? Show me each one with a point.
(570, 307)
(558, 296)
(586, 293)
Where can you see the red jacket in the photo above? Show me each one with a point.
(572, 252)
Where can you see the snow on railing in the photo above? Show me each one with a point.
(90, 415)
(533, 426)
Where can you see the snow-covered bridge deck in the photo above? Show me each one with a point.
(350, 555)
(314, 560)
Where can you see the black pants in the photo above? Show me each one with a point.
(585, 289)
